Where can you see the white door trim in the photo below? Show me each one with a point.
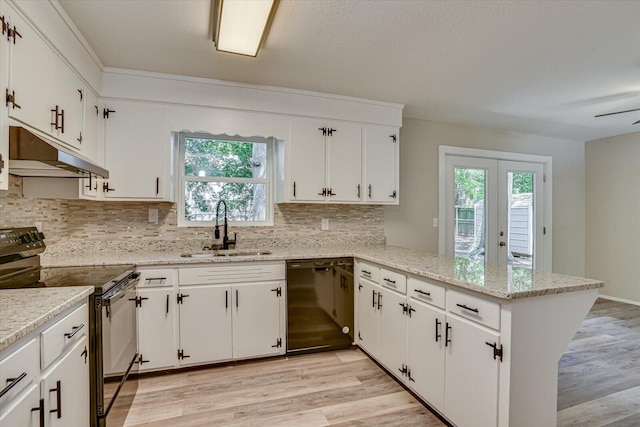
(547, 163)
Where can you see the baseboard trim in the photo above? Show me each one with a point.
(627, 301)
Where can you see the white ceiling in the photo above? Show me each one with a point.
(542, 67)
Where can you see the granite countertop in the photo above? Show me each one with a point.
(24, 310)
(499, 281)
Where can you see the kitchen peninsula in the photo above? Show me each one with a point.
(529, 317)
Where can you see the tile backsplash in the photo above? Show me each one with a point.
(85, 225)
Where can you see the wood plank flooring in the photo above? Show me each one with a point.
(599, 386)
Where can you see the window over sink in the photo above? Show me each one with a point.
(235, 169)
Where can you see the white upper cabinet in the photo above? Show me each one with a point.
(32, 66)
(325, 161)
(137, 152)
(381, 165)
(4, 122)
(68, 105)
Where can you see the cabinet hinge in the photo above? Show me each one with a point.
(138, 300)
(10, 98)
(544, 230)
(394, 137)
(181, 355)
(359, 336)
(141, 360)
(4, 24)
(278, 343)
(105, 113)
(497, 352)
(544, 177)
(81, 94)
(404, 369)
(394, 194)
(404, 306)
(324, 131)
(330, 131)
(278, 291)
(180, 297)
(12, 32)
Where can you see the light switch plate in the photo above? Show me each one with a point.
(325, 224)
(153, 215)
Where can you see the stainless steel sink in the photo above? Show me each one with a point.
(222, 253)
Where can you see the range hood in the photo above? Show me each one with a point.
(31, 155)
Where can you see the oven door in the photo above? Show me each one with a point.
(119, 355)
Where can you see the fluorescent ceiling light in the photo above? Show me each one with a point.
(242, 25)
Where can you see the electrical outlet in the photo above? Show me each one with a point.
(39, 226)
(153, 215)
(325, 224)
(435, 222)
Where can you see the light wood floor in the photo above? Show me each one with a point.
(599, 385)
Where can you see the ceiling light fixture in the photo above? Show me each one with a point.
(241, 26)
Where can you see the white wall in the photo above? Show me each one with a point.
(613, 211)
(410, 223)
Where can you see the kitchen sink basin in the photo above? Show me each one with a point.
(223, 253)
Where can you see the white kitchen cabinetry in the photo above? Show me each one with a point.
(205, 324)
(137, 152)
(368, 316)
(69, 102)
(325, 162)
(51, 372)
(4, 119)
(231, 311)
(392, 331)
(425, 353)
(156, 323)
(381, 165)
(92, 143)
(256, 319)
(65, 388)
(471, 385)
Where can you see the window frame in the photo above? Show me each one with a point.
(182, 179)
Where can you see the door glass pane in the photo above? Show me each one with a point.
(520, 219)
(470, 209)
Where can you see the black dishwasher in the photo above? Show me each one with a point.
(319, 305)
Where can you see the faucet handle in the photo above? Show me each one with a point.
(234, 241)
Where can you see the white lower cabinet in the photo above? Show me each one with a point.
(156, 320)
(471, 387)
(445, 353)
(205, 324)
(65, 388)
(25, 411)
(194, 315)
(425, 353)
(49, 369)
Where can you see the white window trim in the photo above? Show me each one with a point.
(269, 180)
(546, 161)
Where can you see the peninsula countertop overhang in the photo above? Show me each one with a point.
(499, 281)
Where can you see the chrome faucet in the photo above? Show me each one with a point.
(225, 238)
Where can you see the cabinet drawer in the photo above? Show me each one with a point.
(369, 272)
(393, 280)
(67, 330)
(475, 308)
(156, 277)
(236, 272)
(428, 292)
(20, 368)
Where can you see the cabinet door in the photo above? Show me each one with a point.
(4, 122)
(425, 353)
(368, 317)
(69, 98)
(156, 319)
(92, 147)
(381, 164)
(137, 151)
(205, 324)
(345, 162)
(392, 331)
(24, 412)
(471, 367)
(256, 319)
(31, 77)
(66, 389)
(307, 161)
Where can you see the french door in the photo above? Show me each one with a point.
(495, 211)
